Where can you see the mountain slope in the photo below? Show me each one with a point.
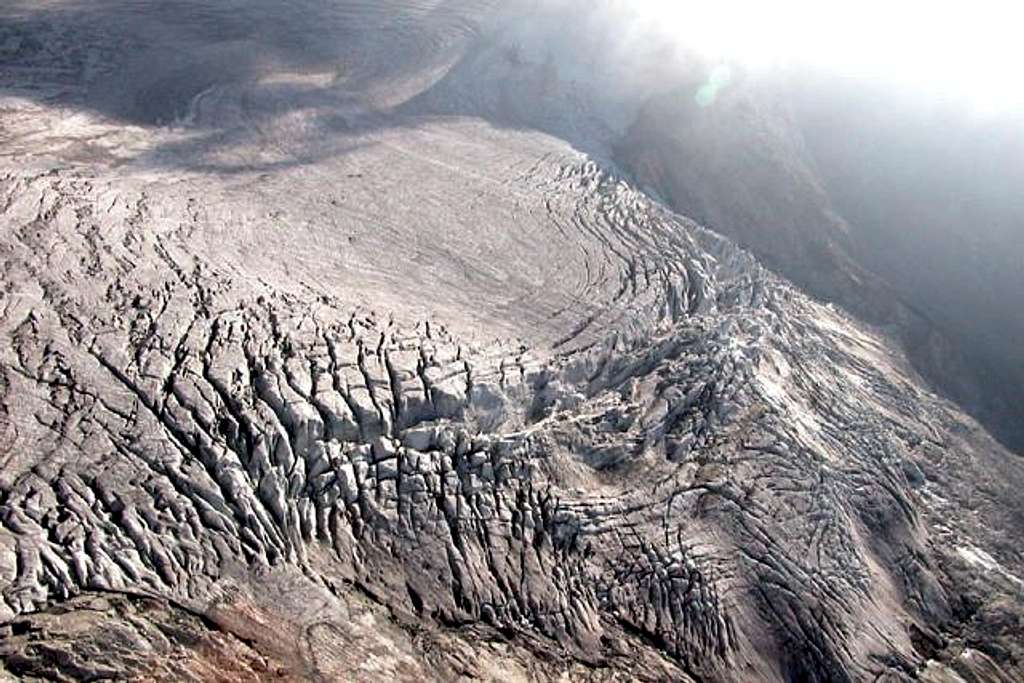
(901, 210)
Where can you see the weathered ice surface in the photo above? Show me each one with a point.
(306, 376)
(906, 212)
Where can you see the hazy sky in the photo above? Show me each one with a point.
(972, 49)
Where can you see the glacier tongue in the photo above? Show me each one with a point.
(304, 378)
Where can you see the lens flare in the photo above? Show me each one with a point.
(719, 78)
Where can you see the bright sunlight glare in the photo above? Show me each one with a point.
(967, 49)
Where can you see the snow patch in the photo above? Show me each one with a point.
(980, 558)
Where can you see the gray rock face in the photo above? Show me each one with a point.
(314, 384)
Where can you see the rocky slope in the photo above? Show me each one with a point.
(318, 368)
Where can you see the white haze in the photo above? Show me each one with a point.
(971, 51)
